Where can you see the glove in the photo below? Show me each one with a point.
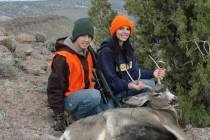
(60, 124)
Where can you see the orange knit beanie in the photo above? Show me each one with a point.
(120, 21)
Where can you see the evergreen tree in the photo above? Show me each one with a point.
(101, 14)
(177, 31)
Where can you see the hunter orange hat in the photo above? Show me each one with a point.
(120, 21)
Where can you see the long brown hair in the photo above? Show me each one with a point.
(127, 48)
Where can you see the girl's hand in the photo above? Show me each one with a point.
(138, 85)
(159, 73)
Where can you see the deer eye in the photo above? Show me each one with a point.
(157, 95)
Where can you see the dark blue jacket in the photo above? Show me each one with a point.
(110, 65)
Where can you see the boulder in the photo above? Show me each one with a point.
(2, 31)
(23, 50)
(24, 38)
(5, 18)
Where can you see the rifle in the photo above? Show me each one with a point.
(101, 81)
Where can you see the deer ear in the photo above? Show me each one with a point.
(149, 87)
(156, 88)
(163, 88)
(159, 88)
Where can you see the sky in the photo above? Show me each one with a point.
(17, 0)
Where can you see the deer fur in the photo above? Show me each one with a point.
(140, 123)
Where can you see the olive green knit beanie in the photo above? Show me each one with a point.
(82, 26)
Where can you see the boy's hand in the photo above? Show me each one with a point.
(60, 124)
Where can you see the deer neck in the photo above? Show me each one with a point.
(170, 109)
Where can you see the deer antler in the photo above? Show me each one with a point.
(158, 80)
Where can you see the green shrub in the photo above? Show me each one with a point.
(40, 37)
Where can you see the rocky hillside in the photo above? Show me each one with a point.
(51, 26)
(69, 8)
(25, 53)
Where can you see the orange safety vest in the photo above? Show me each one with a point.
(77, 76)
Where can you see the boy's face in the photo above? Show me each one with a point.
(83, 41)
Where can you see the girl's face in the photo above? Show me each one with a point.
(123, 33)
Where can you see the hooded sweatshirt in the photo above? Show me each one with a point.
(115, 68)
(58, 81)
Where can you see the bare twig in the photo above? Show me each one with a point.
(204, 46)
(199, 49)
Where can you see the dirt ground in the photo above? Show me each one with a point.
(24, 114)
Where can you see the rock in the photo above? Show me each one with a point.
(24, 38)
(32, 66)
(4, 18)
(3, 37)
(2, 31)
(23, 50)
(28, 52)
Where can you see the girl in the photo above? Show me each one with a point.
(118, 63)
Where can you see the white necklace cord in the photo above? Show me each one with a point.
(131, 76)
(139, 74)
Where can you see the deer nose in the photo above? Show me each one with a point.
(175, 99)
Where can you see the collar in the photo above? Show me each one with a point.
(68, 42)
